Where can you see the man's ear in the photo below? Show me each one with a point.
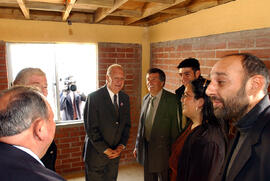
(197, 74)
(255, 84)
(39, 129)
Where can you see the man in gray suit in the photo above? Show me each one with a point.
(107, 124)
(158, 128)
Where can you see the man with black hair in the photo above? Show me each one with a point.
(189, 70)
(157, 129)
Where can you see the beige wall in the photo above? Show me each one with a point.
(42, 31)
(234, 16)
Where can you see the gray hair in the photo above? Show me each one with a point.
(21, 105)
(110, 68)
(25, 73)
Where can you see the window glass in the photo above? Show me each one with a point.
(70, 70)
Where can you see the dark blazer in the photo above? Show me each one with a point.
(253, 162)
(164, 132)
(103, 129)
(17, 165)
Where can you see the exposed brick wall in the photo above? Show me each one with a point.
(129, 56)
(208, 49)
(69, 140)
(3, 67)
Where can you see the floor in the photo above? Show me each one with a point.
(132, 172)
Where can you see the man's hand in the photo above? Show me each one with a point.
(111, 154)
(135, 153)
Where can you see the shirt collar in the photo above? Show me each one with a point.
(30, 153)
(250, 118)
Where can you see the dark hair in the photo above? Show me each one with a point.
(253, 66)
(162, 76)
(22, 106)
(190, 62)
(199, 87)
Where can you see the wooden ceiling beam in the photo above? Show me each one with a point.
(24, 9)
(202, 4)
(178, 11)
(69, 6)
(101, 13)
(46, 6)
(127, 13)
(158, 1)
(153, 8)
(97, 3)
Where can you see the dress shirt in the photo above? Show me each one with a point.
(28, 151)
(112, 94)
(156, 103)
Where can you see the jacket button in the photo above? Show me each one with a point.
(117, 122)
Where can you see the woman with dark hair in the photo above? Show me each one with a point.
(201, 147)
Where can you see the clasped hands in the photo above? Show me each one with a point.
(111, 154)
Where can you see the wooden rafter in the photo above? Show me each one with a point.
(159, 1)
(24, 9)
(97, 3)
(127, 13)
(152, 8)
(70, 4)
(103, 12)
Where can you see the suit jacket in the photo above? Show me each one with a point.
(253, 161)
(164, 132)
(103, 129)
(67, 107)
(17, 165)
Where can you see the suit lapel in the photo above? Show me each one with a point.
(252, 139)
(108, 102)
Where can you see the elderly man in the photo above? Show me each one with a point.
(238, 90)
(158, 128)
(107, 124)
(26, 131)
(37, 78)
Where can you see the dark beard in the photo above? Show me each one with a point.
(234, 108)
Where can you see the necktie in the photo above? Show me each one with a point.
(74, 109)
(149, 118)
(115, 104)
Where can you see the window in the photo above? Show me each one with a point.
(65, 65)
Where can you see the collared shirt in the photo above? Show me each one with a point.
(112, 94)
(156, 103)
(26, 150)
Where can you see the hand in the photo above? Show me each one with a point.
(111, 154)
(135, 153)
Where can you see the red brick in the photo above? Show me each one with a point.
(169, 49)
(188, 54)
(206, 54)
(263, 42)
(103, 49)
(107, 60)
(184, 47)
(241, 43)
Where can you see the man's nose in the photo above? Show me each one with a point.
(210, 89)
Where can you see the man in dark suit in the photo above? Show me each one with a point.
(238, 89)
(107, 124)
(27, 130)
(158, 128)
(189, 70)
(37, 78)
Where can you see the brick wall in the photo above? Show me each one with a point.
(3, 67)
(208, 49)
(129, 56)
(69, 140)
